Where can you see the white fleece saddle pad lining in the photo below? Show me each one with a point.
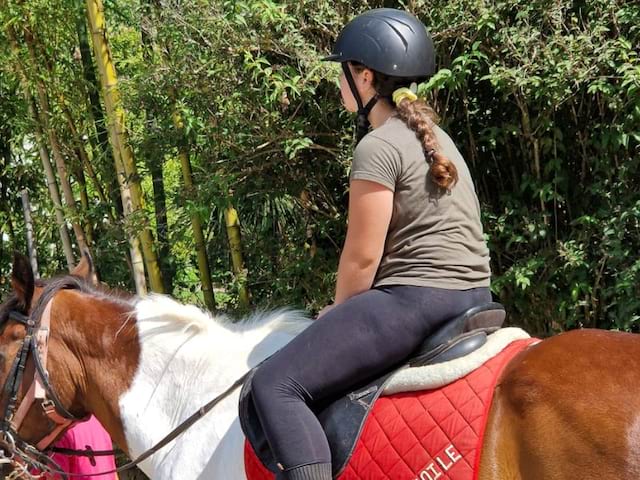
(436, 376)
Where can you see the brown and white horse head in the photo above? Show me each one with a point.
(55, 314)
(24, 392)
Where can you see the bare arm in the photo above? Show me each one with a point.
(370, 209)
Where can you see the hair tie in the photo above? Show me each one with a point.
(404, 93)
(430, 155)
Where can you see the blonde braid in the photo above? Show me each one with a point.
(420, 118)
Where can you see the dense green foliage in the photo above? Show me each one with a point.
(542, 98)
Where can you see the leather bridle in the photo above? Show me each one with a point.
(34, 345)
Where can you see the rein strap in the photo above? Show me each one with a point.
(201, 412)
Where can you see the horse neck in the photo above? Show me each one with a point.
(98, 356)
(185, 359)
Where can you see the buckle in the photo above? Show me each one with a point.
(48, 406)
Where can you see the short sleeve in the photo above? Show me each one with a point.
(376, 160)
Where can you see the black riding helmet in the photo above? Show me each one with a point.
(389, 41)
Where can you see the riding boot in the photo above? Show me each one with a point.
(314, 471)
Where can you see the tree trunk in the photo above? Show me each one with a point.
(135, 252)
(51, 184)
(26, 207)
(44, 154)
(196, 223)
(155, 165)
(83, 161)
(126, 167)
(45, 112)
(84, 196)
(187, 174)
(235, 244)
(97, 115)
(535, 149)
(5, 201)
(162, 224)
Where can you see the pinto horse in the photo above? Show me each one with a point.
(567, 408)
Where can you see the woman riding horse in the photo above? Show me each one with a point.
(414, 254)
(563, 409)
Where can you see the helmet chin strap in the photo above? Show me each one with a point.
(362, 121)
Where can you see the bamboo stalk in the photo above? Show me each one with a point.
(126, 167)
(28, 221)
(84, 197)
(235, 244)
(187, 174)
(155, 163)
(196, 223)
(45, 112)
(81, 153)
(52, 185)
(97, 115)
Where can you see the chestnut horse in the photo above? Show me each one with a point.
(566, 408)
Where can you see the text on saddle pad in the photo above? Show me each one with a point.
(441, 464)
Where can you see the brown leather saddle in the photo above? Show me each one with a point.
(343, 417)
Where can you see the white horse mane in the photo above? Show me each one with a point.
(175, 317)
(187, 357)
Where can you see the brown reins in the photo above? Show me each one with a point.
(36, 343)
(201, 412)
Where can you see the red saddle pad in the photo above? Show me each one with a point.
(424, 435)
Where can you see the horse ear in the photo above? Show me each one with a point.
(85, 269)
(22, 281)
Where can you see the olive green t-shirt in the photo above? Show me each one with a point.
(435, 238)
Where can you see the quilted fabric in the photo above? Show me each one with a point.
(424, 435)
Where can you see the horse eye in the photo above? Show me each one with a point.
(16, 333)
